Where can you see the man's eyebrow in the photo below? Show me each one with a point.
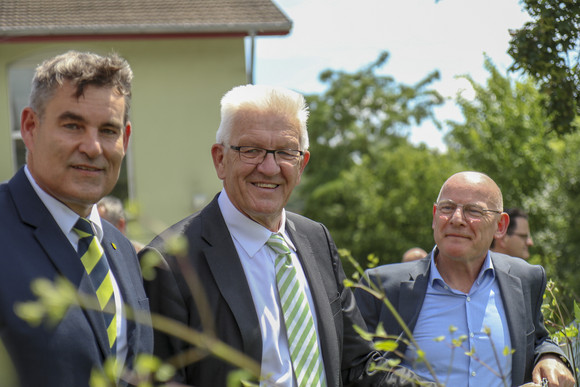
(71, 116)
(75, 117)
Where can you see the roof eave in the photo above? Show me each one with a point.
(149, 30)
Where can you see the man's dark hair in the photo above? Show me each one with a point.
(81, 69)
(513, 213)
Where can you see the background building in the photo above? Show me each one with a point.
(185, 54)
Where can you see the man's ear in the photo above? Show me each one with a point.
(29, 122)
(218, 157)
(502, 225)
(434, 214)
(303, 162)
(126, 135)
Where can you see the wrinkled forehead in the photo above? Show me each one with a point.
(249, 120)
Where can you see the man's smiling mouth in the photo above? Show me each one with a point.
(87, 168)
(266, 185)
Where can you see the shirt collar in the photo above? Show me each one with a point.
(64, 216)
(251, 235)
(486, 269)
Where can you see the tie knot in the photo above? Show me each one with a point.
(276, 242)
(83, 228)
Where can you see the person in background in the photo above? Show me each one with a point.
(111, 209)
(413, 254)
(76, 131)
(517, 239)
(465, 299)
(253, 259)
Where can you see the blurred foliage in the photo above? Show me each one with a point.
(557, 324)
(546, 48)
(53, 300)
(8, 375)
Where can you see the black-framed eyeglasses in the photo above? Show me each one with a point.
(470, 211)
(254, 155)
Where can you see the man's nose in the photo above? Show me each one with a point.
(269, 165)
(90, 143)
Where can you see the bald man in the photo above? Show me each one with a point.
(474, 314)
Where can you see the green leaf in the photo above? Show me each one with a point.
(363, 333)
(386, 345)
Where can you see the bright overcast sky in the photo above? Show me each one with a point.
(421, 36)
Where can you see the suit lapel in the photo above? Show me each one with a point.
(324, 316)
(413, 292)
(225, 265)
(514, 306)
(57, 247)
(46, 230)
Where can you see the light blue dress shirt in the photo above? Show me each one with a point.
(472, 314)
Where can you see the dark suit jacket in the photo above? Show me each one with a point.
(33, 246)
(521, 285)
(220, 277)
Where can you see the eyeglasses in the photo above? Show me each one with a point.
(253, 155)
(470, 211)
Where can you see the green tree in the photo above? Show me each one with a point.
(358, 111)
(383, 205)
(547, 49)
(559, 240)
(366, 182)
(503, 135)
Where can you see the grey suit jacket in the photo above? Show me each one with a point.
(33, 246)
(226, 308)
(521, 285)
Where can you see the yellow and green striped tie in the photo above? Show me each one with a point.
(302, 337)
(95, 263)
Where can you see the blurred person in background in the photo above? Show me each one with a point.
(517, 239)
(111, 209)
(413, 254)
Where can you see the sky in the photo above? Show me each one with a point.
(421, 36)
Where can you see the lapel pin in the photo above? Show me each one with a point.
(114, 246)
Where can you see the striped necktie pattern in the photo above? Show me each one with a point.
(93, 258)
(302, 337)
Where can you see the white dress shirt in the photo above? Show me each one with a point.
(258, 260)
(66, 219)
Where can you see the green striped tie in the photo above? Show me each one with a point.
(95, 263)
(302, 337)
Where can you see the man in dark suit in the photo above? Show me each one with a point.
(463, 299)
(76, 132)
(260, 154)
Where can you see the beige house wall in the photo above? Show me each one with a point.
(177, 88)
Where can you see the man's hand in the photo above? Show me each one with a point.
(552, 368)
